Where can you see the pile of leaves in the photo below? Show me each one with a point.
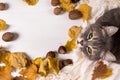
(29, 68)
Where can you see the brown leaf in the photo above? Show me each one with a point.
(101, 71)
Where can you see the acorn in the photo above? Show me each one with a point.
(75, 14)
(55, 2)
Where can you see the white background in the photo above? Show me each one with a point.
(39, 29)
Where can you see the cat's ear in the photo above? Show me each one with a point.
(109, 56)
(111, 30)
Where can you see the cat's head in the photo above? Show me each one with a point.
(95, 42)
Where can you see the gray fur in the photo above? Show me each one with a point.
(105, 37)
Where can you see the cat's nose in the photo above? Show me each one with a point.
(80, 42)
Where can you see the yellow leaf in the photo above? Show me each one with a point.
(70, 45)
(65, 1)
(53, 63)
(5, 73)
(74, 32)
(48, 65)
(37, 61)
(85, 10)
(18, 59)
(31, 2)
(2, 24)
(43, 68)
(109, 73)
(5, 57)
(30, 73)
(67, 5)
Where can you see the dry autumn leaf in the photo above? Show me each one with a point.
(70, 45)
(43, 68)
(48, 65)
(107, 74)
(101, 71)
(67, 5)
(31, 2)
(2, 24)
(18, 60)
(30, 73)
(65, 1)
(85, 10)
(53, 63)
(41, 65)
(37, 61)
(5, 57)
(5, 73)
(74, 32)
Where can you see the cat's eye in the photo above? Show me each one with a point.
(90, 36)
(89, 50)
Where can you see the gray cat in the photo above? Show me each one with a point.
(101, 40)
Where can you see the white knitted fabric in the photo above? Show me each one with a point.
(82, 68)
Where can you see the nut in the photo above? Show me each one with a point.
(8, 36)
(58, 10)
(18, 78)
(61, 65)
(55, 2)
(2, 6)
(75, 14)
(67, 62)
(51, 53)
(62, 50)
(75, 1)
